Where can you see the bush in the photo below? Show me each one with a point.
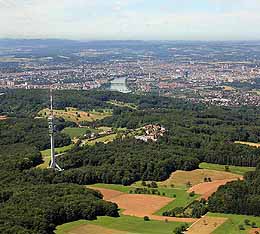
(192, 194)
(247, 222)
(227, 168)
(241, 227)
(154, 184)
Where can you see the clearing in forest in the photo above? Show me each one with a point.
(46, 155)
(3, 117)
(257, 145)
(182, 178)
(233, 169)
(74, 115)
(122, 104)
(206, 225)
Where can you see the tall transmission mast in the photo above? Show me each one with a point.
(53, 164)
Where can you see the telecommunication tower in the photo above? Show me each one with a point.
(53, 164)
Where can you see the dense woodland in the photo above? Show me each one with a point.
(195, 133)
(240, 197)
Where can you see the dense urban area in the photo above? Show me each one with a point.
(221, 73)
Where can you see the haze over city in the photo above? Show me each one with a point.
(131, 19)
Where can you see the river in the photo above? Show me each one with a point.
(119, 84)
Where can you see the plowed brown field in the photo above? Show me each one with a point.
(140, 205)
(208, 188)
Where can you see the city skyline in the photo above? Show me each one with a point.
(131, 19)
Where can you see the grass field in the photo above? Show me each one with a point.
(46, 155)
(75, 132)
(104, 139)
(117, 187)
(130, 224)
(257, 145)
(74, 115)
(231, 225)
(233, 169)
(182, 199)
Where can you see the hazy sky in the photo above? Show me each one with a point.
(131, 19)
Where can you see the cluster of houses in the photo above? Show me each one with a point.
(151, 133)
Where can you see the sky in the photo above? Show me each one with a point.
(131, 19)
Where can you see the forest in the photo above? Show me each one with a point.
(195, 133)
(239, 197)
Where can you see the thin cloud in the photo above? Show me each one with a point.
(134, 19)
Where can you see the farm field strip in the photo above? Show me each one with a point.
(206, 189)
(105, 139)
(182, 178)
(206, 225)
(122, 104)
(233, 169)
(74, 115)
(129, 224)
(94, 229)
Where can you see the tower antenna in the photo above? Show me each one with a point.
(53, 164)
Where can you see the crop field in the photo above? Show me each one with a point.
(231, 226)
(206, 225)
(74, 115)
(128, 224)
(174, 197)
(182, 178)
(206, 189)
(233, 169)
